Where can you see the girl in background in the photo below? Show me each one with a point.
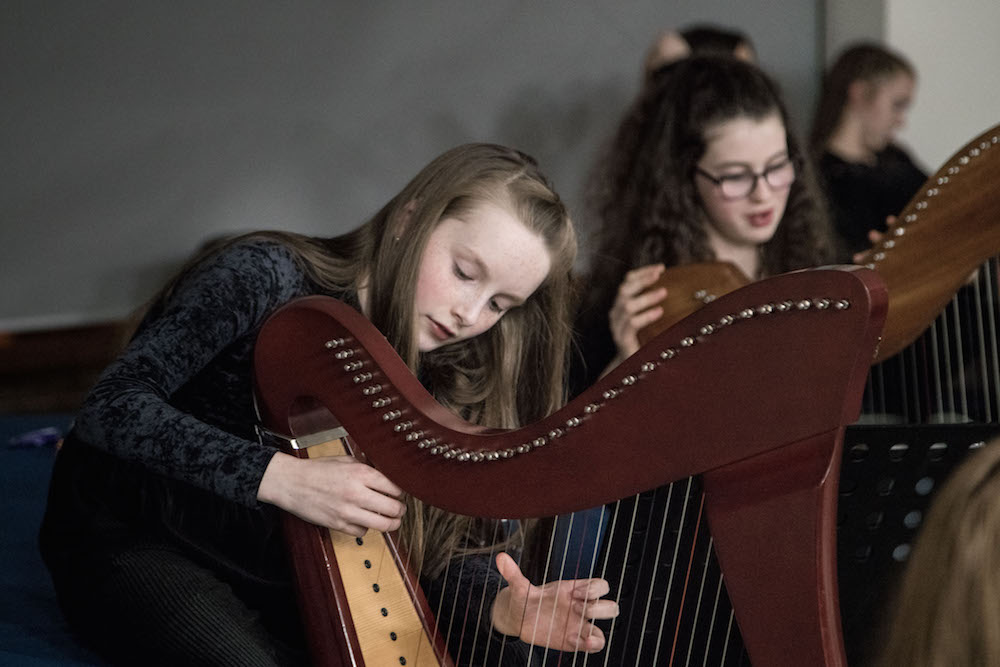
(867, 177)
(697, 40)
(702, 168)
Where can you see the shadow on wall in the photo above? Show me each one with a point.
(566, 133)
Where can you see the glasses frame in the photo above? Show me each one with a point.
(757, 176)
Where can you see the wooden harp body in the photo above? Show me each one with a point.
(753, 392)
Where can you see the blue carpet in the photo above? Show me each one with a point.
(32, 630)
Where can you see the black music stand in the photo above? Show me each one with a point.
(887, 481)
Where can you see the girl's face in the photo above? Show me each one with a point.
(747, 156)
(882, 109)
(474, 269)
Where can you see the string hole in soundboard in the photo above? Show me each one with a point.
(924, 486)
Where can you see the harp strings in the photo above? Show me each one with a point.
(951, 373)
(679, 613)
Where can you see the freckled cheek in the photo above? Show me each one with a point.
(432, 288)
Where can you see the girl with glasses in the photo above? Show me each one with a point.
(702, 168)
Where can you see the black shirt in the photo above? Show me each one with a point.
(861, 196)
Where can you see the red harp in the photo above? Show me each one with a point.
(752, 392)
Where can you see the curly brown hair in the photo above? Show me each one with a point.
(642, 194)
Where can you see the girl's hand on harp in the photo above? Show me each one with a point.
(635, 307)
(876, 237)
(337, 492)
(557, 615)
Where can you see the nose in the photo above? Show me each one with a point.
(758, 193)
(467, 311)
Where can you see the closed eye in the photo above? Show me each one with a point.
(460, 274)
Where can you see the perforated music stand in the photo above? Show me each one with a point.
(887, 481)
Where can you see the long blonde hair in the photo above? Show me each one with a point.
(947, 611)
(509, 376)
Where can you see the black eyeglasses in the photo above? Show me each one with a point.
(738, 186)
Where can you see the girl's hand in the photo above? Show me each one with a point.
(875, 237)
(556, 615)
(634, 308)
(337, 492)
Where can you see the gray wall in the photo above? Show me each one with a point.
(133, 131)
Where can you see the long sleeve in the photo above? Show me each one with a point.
(461, 600)
(179, 399)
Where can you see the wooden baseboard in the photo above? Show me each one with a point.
(52, 370)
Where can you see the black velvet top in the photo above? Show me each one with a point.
(164, 450)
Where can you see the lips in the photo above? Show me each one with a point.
(439, 332)
(762, 219)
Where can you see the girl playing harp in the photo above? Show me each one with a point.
(701, 168)
(161, 531)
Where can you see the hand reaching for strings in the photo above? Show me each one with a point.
(556, 615)
(876, 237)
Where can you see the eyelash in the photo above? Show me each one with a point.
(462, 275)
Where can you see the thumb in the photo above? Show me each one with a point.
(509, 570)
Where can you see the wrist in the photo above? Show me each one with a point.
(502, 622)
(272, 488)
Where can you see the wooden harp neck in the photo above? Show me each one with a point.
(741, 357)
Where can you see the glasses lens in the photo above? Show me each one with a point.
(736, 187)
(780, 175)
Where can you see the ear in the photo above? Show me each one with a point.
(859, 91)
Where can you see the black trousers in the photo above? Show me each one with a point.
(149, 574)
